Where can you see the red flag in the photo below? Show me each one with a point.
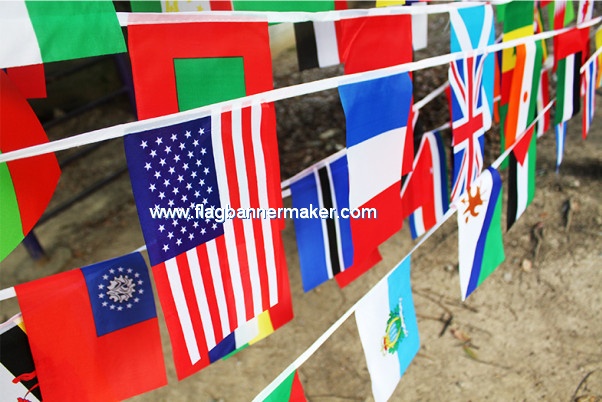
(30, 80)
(93, 332)
(26, 185)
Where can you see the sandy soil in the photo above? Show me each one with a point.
(532, 331)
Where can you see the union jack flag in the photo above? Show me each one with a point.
(469, 121)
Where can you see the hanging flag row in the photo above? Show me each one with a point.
(223, 285)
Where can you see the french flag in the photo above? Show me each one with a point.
(376, 113)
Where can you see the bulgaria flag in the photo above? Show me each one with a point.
(521, 178)
(481, 248)
(35, 32)
(26, 185)
(386, 322)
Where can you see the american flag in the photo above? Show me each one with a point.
(467, 99)
(211, 277)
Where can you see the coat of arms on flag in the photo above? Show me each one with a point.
(386, 322)
(480, 244)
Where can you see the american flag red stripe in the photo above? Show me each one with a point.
(229, 280)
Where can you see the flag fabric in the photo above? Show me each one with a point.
(517, 23)
(471, 83)
(26, 185)
(18, 379)
(317, 44)
(543, 99)
(480, 244)
(93, 331)
(419, 21)
(37, 32)
(522, 104)
(521, 176)
(211, 276)
(324, 245)
(568, 88)
(372, 42)
(167, 6)
(559, 13)
(585, 11)
(288, 5)
(290, 389)
(377, 114)
(388, 329)
(599, 58)
(468, 122)
(560, 129)
(208, 62)
(30, 80)
(588, 93)
(424, 196)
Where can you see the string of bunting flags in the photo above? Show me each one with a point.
(207, 139)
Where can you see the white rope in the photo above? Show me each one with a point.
(266, 97)
(320, 341)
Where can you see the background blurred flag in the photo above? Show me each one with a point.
(585, 11)
(480, 244)
(386, 322)
(560, 130)
(599, 58)
(94, 332)
(377, 114)
(317, 44)
(26, 185)
(522, 105)
(518, 18)
(290, 389)
(172, 6)
(521, 176)
(588, 93)
(424, 196)
(17, 372)
(543, 98)
(35, 32)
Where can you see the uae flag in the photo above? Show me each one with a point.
(35, 32)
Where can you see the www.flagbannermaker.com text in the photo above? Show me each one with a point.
(220, 215)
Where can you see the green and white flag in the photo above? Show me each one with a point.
(35, 32)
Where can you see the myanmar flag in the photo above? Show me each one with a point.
(35, 32)
(26, 185)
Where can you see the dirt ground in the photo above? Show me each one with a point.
(532, 331)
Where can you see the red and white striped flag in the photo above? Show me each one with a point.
(212, 275)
